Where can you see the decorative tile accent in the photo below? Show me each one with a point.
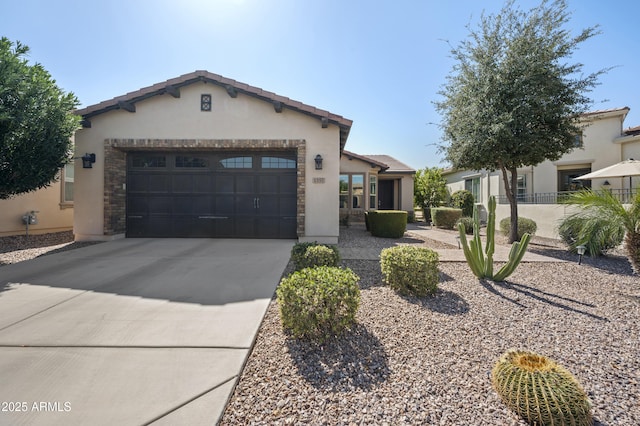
(115, 169)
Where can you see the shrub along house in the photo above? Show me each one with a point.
(202, 155)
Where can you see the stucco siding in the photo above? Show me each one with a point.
(164, 117)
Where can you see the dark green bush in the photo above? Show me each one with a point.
(388, 223)
(318, 303)
(468, 224)
(410, 270)
(445, 217)
(411, 217)
(308, 255)
(463, 199)
(525, 225)
(596, 235)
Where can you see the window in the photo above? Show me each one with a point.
(473, 185)
(357, 191)
(344, 191)
(191, 162)
(68, 173)
(352, 191)
(278, 163)
(567, 180)
(522, 187)
(237, 163)
(577, 140)
(373, 191)
(149, 161)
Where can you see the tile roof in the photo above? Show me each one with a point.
(395, 166)
(624, 110)
(230, 85)
(374, 163)
(632, 131)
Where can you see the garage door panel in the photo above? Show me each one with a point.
(211, 195)
(224, 184)
(159, 183)
(245, 184)
(160, 204)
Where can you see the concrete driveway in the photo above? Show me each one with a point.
(133, 331)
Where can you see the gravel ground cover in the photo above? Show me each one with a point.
(428, 361)
(21, 247)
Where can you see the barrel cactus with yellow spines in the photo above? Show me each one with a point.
(539, 390)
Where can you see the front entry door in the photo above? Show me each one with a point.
(385, 195)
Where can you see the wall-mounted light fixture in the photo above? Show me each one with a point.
(606, 183)
(88, 160)
(318, 161)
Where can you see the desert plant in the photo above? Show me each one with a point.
(318, 303)
(605, 210)
(387, 223)
(596, 234)
(445, 217)
(539, 390)
(468, 224)
(525, 226)
(310, 254)
(482, 266)
(410, 270)
(463, 199)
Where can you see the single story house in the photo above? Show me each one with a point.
(202, 155)
(604, 143)
(370, 182)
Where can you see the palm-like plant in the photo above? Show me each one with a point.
(603, 214)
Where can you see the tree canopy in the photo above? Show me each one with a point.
(429, 188)
(513, 97)
(36, 123)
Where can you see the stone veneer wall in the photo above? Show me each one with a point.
(115, 169)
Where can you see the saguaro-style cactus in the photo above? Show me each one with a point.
(481, 262)
(539, 390)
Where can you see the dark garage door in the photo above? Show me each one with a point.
(227, 195)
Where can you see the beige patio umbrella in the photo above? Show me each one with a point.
(622, 169)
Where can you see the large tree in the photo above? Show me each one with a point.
(513, 97)
(36, 123)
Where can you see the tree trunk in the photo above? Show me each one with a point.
(632, 242)
(510, 178)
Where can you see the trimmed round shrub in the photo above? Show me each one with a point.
(463, 199)
(410, 270)
(468, 224)
(308, 255)
(539, 390)
(595, 234)
(388, 223)
(318, 303)
(445, 217)
(525, 225)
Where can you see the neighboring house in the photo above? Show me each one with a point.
(202, 155)
(52, 208)
(370, 182)
(540, 187)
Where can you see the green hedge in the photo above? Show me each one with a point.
(445, 217)
(410, 270)
(463, 199)
(525, 225)
(468, 224)
(318, 303)
(387, 223)
(308, 255)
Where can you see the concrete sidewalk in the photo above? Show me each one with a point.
(133, 331)
(446, 255)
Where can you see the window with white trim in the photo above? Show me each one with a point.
(68, 174)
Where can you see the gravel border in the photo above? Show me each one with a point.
(18, 248)
(427, 360)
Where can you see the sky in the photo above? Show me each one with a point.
(380, 63)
